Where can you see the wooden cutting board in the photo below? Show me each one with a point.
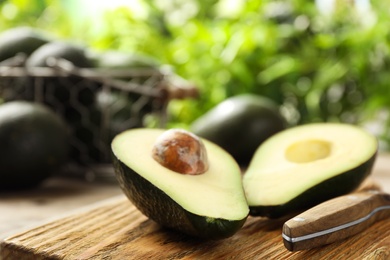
(115, 229)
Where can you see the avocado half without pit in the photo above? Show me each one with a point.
(181, 181)
(306, 165)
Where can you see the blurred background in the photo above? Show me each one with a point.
(322, 60)
(318, 61)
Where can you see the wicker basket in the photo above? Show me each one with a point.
(96, 104)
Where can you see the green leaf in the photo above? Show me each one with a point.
(280, 68)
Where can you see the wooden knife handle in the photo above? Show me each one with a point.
(335, 219)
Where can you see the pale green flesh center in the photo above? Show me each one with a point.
(298, 159)
(308, 151)
(217, 193)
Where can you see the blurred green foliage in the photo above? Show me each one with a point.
(318, 67)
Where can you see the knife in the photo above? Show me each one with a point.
(335, 219)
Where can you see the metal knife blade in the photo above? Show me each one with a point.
(335, 220)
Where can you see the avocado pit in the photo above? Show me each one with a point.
(181, 151)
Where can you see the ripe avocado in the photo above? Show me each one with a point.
(20, 40)
(60, 87)
(59, 49)
(240, 124)
(113, 59)
(210, 205)
(127, 66)
(306, 165)
(34, 144)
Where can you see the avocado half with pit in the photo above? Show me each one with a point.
(306, 165)
(209, 205)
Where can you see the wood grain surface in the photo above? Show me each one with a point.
(115, 229)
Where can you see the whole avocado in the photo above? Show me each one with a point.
(58, 87)
(240, 124)
(59, 49)
(113, 59)
(20, 40)
(34, 144)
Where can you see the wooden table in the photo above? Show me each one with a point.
(56, 197)
(61, 196)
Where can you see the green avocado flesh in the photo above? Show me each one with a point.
(306, 165)
(211, 205)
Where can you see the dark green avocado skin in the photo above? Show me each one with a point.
(242, 126)
(58, 88)
(20, 40)
(61, 50)
(339, 185)
(158, 206)
(34, 144)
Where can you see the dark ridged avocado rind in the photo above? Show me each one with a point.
(338, 185)
(158, 206)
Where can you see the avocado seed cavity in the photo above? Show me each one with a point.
(181, 151)
(308, 151)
